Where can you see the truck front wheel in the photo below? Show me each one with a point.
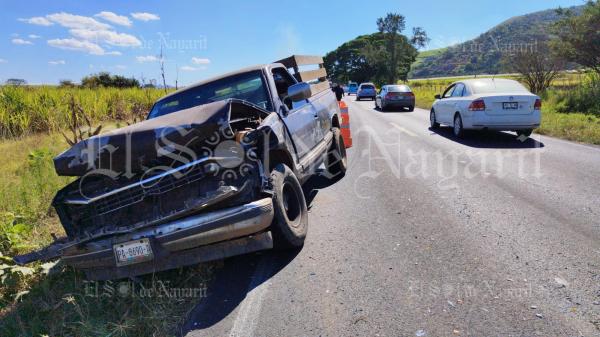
(290, 224)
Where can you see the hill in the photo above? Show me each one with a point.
(483, 55)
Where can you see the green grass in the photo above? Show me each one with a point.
(556, 122)
(27, 110)
(36, 302)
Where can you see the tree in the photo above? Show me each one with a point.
(538, 68)
(383, 57)
(392, 26)
(104, 79)
(66, 84)
(578, 36)
(16, 81)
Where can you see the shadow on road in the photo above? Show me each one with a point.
(232, 283)
(392, 110)
(317, 182)
(488, 139)
(242, 274)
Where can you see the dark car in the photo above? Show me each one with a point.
(216, 170)
(398, 96)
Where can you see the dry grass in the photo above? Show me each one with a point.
(35, 303)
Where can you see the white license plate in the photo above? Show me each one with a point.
(133, 252)
(510, 105)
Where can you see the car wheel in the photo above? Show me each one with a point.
(432, 121)
(458, 126)
(411, 108)
(525, 133)
(290, 223)
(336, 161)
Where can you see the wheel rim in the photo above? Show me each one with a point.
(291, 204)
(457, 127)
(432, 118)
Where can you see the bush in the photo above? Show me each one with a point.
(585, 98)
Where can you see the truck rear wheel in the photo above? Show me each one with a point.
(290, 224)
(336, 161)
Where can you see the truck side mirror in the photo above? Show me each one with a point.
(438, 96)
(299, 91)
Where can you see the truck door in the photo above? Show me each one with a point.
(302, 117)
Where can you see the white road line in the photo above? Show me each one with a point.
(410, 133)
(249, 310)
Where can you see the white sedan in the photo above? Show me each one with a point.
(487, 103)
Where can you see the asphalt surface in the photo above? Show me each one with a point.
(428, 235)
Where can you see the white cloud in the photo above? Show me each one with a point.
(33, 36)
(188, 68)
(77, 45)
(106, 36)
(77, 21)
(198, 60)
(121, 67)
(148, 58)
(142, 16)
(57, 62)
(21, 41)
(38, 20)
(114, 18)
(3, 61)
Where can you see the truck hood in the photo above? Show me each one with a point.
(138, 147)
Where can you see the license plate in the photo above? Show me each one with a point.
(133, 252)
(510, 105)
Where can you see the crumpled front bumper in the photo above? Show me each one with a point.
(187, 241)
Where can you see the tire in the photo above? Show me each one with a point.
(457, 128)
(336, 161)
(526, 132)
(290, 223)
(411, 108)
(433, 121)
(383, 107)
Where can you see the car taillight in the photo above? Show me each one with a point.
(477, 105)
(538, 104)
(409, 94)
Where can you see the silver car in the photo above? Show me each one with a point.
(366, 90)
(395, 96)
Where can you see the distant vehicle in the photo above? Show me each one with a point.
(366, 90)
(395, 96)
(352, 88)
(496, 104)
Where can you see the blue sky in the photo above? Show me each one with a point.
(45, 41)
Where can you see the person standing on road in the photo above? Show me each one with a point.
(339, 91)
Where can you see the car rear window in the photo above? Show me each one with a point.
(489, 87)
(367, 86)
(399, 88)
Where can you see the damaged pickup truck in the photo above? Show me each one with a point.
(216, 170)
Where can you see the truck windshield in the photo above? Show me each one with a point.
(247, 86)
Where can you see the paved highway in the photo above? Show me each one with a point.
(428, 235)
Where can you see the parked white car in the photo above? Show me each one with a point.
(487, 103)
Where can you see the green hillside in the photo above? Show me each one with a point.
(483, 55)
